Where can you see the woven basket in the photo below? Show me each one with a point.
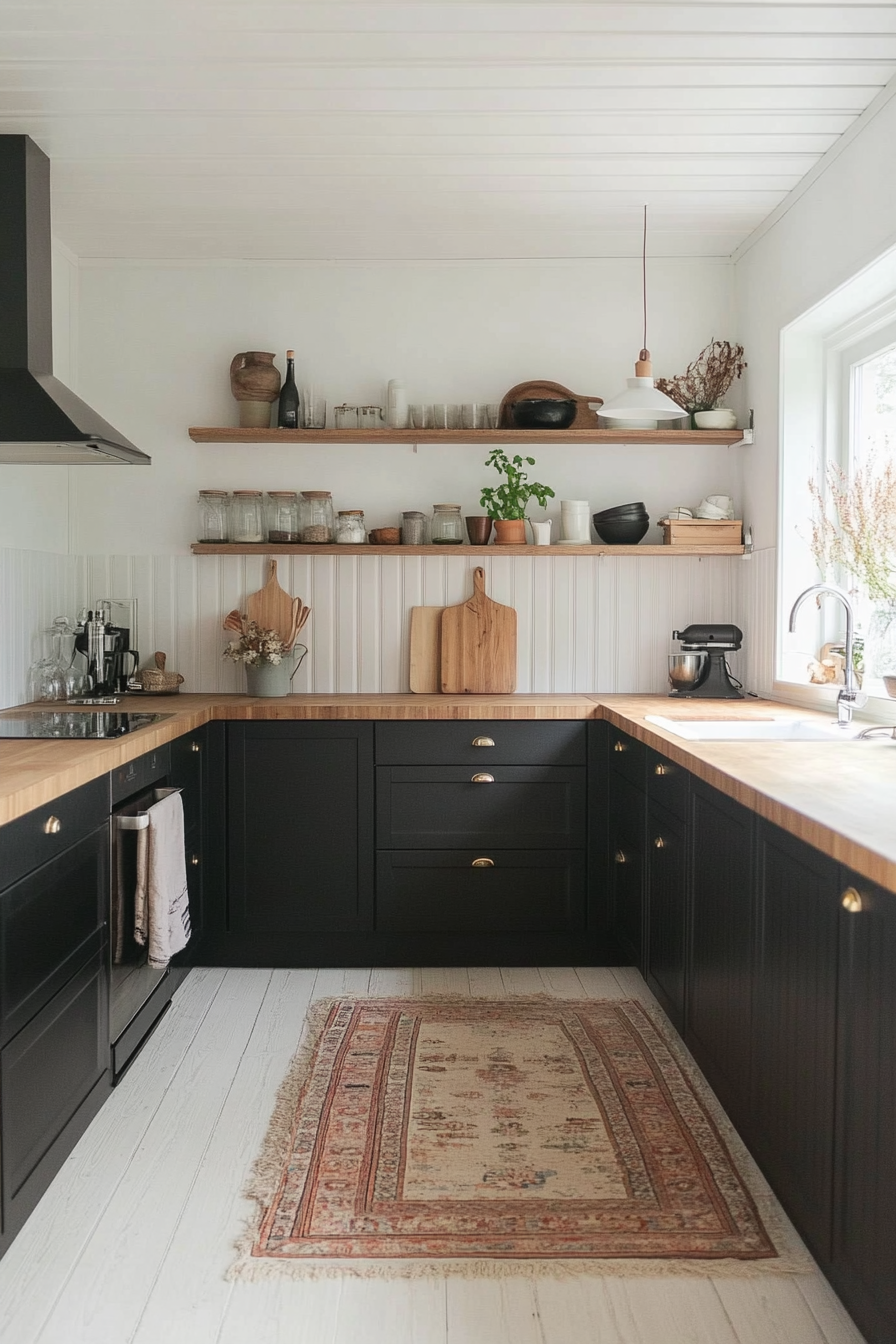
(153, 679)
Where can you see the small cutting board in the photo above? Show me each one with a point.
(271, 608)
(479, 645)
(426, 650)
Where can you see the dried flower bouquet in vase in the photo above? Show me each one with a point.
(704, 383)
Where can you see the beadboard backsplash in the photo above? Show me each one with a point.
(585, 624)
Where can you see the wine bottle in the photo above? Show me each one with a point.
(288, 410)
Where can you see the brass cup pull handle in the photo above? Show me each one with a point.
(52, 826)
(483, 742)
(195, 860)
(851, 900)
(662, 770)
(659, 843)
(620, 856)
(619, 746)
(483, 863)
(194, 746)
(482, 779)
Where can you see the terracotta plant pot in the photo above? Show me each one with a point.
(510, 531)
(479, 529)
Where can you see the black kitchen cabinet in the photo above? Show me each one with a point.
(667, 910)
(863, 1264)
(300, 828)
(791, 1115)
(722, 927)
(627, 839)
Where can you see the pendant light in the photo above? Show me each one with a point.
(641, 400)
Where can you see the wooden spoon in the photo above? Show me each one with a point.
(233, 621)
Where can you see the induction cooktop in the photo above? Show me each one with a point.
(74, 723)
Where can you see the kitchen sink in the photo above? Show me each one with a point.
(756, 730)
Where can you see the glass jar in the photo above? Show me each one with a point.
(447, 525)
(246, 517)
(283, 516)
(350, 530)
(413, 526)
(317, 520)
(214, 515)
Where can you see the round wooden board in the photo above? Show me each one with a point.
(585, 417)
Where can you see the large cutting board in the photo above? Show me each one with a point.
(426, 650)
(271, 608)
(479, 645)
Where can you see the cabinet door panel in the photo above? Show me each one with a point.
(865, 1180)
(481, 743)
(628, 821)
(722, 931)
(667, 901)
(301, 826)
(436, 807)
(794, 1020)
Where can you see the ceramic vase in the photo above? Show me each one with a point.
(268, 679)
(720, 418)
(479, 529)
(255, 383)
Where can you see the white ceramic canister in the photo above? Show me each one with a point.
(541, 532)
(396, 404)
(575, 522)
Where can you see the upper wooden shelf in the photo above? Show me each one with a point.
(227, 434)
(269, 548)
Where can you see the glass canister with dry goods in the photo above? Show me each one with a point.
(247, 516)
(318, 522)
(214, 515)
(350, 530)
(447, 525)
(283, 516)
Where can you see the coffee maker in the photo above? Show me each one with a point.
(701, 670)
(111, 662)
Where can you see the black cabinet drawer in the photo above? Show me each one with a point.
(140, 773)
(507, 807)
(41, 835)
(481, 743)
(156, 764)
(49, 923)
(464, 891)
(667, 784)
(628, 757)
(47, 1074)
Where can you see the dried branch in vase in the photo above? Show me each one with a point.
(706, 380)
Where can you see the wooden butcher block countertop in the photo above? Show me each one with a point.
(839, 797)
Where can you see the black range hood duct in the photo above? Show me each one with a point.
(41, 421)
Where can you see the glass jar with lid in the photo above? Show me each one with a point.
(246, 517)
(317, 518)
(214, 515)
(350, 529)
(283, 516)
(447, 525)
(413, 528)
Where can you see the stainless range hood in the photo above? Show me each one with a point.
(41, 421)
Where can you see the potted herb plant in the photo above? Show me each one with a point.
(266, 658)
(506, 503)
(700, 389)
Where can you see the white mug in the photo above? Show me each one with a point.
(541, 533)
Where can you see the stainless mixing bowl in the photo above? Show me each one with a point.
(685, 670)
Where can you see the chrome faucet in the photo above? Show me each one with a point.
(849, 691)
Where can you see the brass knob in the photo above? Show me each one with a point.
(194, 746)
(662, 770)
(851, 900)
(52, 826)
(483, 863)
(483, 742)
(620, 856)
(195, 860)
(619, 746)
(483, 779)
(659, 843)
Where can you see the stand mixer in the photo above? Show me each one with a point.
(700, 671)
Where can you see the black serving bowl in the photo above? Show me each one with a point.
(621, 531)
(543, 413)
(623, 511)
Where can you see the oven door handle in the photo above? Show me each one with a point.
(137, 823)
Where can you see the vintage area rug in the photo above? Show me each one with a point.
(439, 1135)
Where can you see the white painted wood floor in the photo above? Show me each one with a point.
(131, 1242)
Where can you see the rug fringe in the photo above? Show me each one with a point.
(264, 1181)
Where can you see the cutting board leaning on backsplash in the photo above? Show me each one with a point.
(478, 645)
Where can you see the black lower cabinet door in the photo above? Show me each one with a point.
(667, 910)
(300, 812)
(790, 1127)
(54, 1076)
(627, 831)
(864, 1261)
(720, 973)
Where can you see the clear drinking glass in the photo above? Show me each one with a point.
(420, 417)
(314, 408)
(493, 414)
(473, 415)
(444, 415)
(346, 417)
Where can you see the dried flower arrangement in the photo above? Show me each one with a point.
(707, 378)
(861, 535)
(256, 646)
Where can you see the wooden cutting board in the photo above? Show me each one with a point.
(271, 608)
(585, 417)
(479, 645)
(426, 650)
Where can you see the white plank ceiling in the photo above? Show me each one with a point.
(430, 128)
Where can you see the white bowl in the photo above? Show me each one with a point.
(721, 418)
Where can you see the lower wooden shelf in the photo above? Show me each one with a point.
(262, 548)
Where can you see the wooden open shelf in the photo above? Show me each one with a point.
(268, 548)
(669, 437)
